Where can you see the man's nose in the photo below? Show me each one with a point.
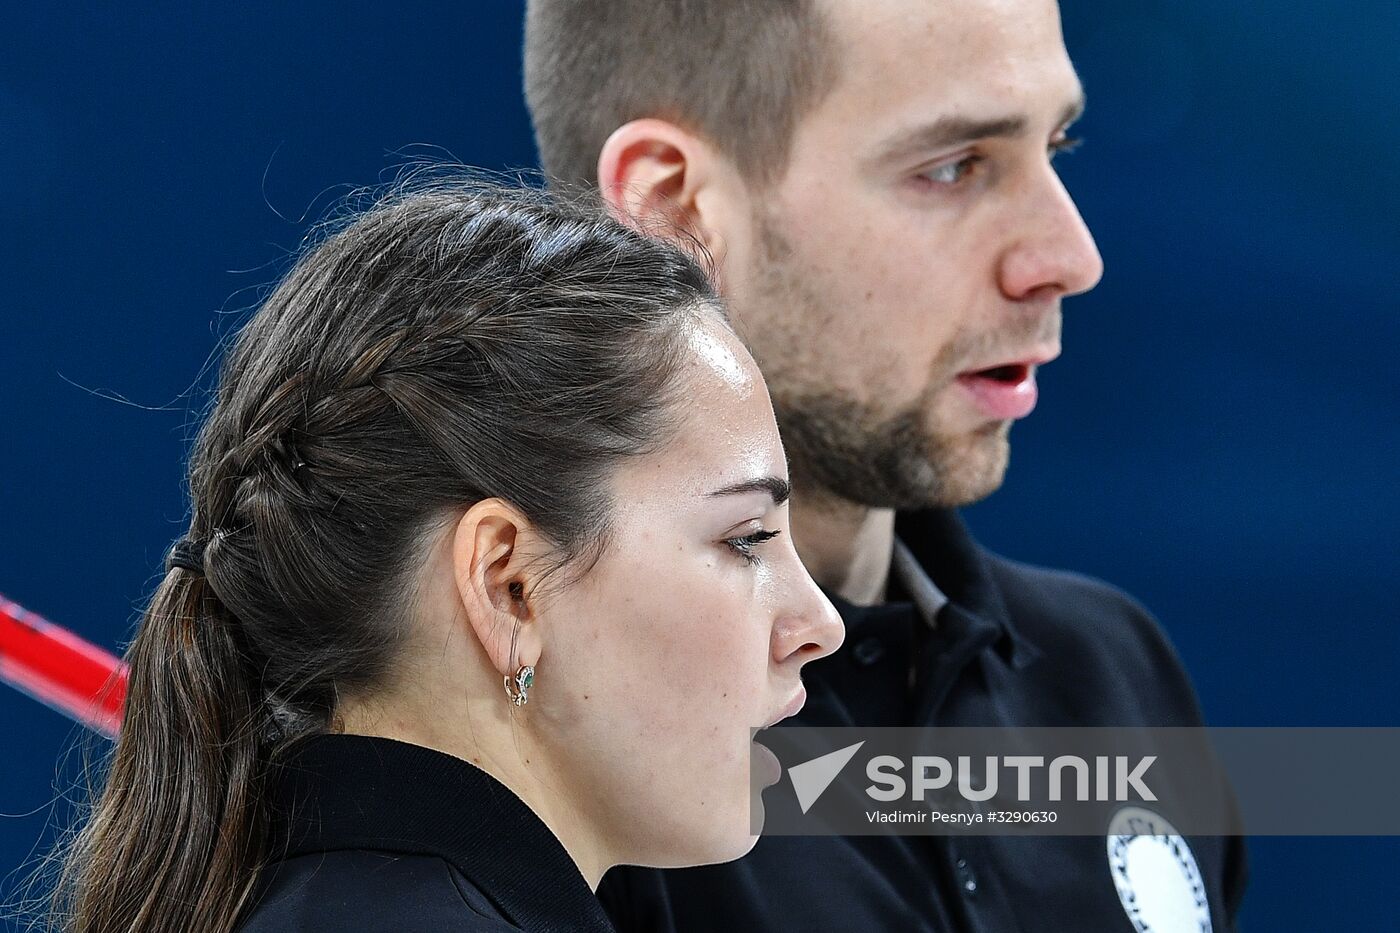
(1054, 254)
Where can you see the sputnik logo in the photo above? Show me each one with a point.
(811, 778)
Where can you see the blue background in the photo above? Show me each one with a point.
(1220, 436)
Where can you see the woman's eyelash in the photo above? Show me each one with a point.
(744, 545)
(1068, 144)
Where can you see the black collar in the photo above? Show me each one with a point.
(961, 568)
(363, 792)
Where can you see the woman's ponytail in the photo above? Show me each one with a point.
(171, 843)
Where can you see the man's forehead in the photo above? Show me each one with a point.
(966, 46)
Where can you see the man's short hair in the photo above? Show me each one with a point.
(738, 73)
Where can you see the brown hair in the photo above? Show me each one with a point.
(739, 73)
(453, 343)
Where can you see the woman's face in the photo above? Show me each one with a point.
(689, 631)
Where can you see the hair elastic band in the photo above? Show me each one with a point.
(187, 555)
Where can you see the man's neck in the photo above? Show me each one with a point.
(846, 546)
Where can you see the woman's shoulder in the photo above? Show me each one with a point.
(368, 890)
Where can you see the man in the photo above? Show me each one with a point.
(874, 180)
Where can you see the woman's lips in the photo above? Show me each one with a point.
(1002, 392)
(765, 765)
(791, 709)
(763, 762)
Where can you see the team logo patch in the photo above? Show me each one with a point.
(1155, 872)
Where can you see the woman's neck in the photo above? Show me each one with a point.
(497, 745)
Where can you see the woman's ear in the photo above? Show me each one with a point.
(495, 556)
(654, 175)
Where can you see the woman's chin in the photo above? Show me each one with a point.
(723, 849)
(741, 828)
(692, 823)
(709, 838)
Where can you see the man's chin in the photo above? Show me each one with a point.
(948, 473)
(970, 468)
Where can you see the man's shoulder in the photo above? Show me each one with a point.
(1089, 629)
(371, 890)
(1049, 596)
(1053, 609)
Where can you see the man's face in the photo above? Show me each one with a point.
(901, 281)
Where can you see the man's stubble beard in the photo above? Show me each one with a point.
(846, 446)
(840, 446)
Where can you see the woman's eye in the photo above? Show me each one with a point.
(951, 173)
(744, 546)
(1067, 144)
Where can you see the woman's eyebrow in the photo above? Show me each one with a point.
(775, 486)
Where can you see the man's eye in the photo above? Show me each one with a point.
(951, 173)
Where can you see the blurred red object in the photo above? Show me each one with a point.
(59, 669)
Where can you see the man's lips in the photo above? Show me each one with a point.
(1007, 389)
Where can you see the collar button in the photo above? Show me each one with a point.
(868, 650)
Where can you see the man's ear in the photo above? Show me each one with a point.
(659, 177)
(495, 560)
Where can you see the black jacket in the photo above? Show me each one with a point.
(1015, 646)
(384, 836)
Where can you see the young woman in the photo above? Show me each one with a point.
(487, 580)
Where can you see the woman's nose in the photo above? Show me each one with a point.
(811, 628)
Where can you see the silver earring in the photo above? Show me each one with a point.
(518, 687)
